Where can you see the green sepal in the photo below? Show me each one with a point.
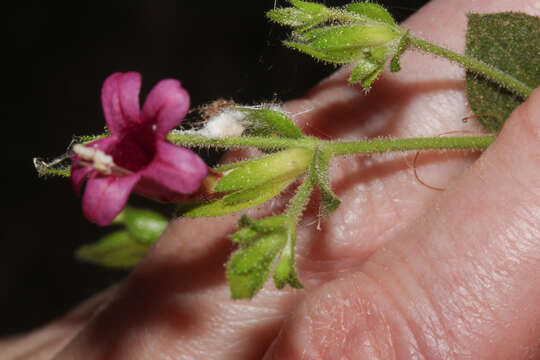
(318, 54)
(311, 8)
(246, 195)
(285, 273)
(288, 163)
(511, 43)
(252, 229)
(290, 17)
(365, 72)
(267, 122)
(143, 224)
(119, 249)
(248, 268)
(264, 225)
(404, 43)
(245, 236)
(350, 37)
(373, 11)
(303, 16)
(366, 83)
(329, 201)
(362, 70)
(230, 203)
(234, 165)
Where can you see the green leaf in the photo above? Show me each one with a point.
(249, 267)
(329, 200)
(145, 225)
(371, 10)
(286, 164)
(267, 122)
(234, 202)
(116, 250)
(511, 43)
(403, 45)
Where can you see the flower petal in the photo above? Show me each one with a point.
(78, 177)
(120, 101)
(80, 172)
(105, 196)
(174, 171)
(165, 106)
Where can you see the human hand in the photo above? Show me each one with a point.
(398, 271)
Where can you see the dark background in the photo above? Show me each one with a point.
(58, 57)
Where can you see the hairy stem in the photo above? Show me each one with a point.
(480, 67)
(432, 143)
(176, 137)
(340, 147)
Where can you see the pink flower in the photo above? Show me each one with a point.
(136, 157)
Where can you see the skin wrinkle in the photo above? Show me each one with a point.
(390, 298)
(462, 297)
(438, 314)
(433, 321)
(371, 341)
(524, 231)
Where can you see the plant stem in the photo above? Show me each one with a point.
(176, 137)
(432, 143)
(339, 147)
(300, 200)
(293, 215)
(504, 79)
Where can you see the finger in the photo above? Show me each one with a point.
(462, 282)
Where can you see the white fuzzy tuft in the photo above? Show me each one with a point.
(228, 123)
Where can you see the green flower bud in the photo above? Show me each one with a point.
(344, 43)
(285, 164)
(252, 182)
